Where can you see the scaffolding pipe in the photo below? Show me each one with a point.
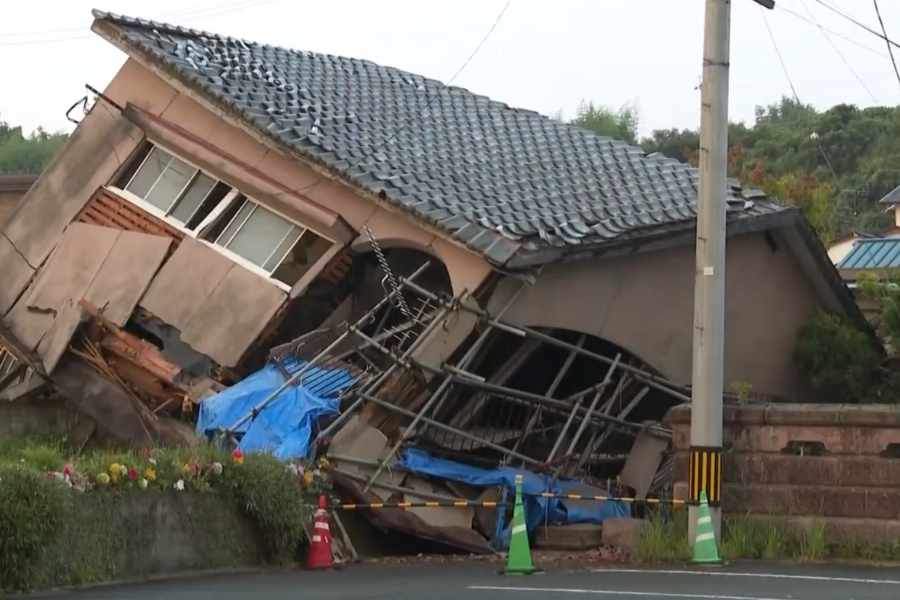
(436, 399)
(575, 406)
(432, 325)
(584, 422)
(522, 331)
(450, 429)
(311, 363)
(537, 399)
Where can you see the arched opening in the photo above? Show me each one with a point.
(591, 445)
(351, 285)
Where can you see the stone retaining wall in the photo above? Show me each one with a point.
(802, 461)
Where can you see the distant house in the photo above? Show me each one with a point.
(12, 189)
(875, 252)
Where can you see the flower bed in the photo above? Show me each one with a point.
(107, 516)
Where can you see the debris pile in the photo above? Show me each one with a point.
(414, 391)
(421, 417)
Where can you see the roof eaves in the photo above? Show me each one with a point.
(651, 238)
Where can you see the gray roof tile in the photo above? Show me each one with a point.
(493, 176)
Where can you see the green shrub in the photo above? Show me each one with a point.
(33, 509)
(838, 359)
(60, 522)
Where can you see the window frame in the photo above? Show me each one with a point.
(214, 215)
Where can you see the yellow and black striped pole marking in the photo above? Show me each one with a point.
(706, 474)
(489, 504)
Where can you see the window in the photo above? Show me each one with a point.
(214, 212)
(279, 247)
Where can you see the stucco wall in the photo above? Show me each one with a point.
(136, 85)
(644, 303)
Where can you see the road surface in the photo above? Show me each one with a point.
(481, 582)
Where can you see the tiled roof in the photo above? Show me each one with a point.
(499, 179)
(878, 253)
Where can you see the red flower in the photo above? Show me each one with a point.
(67, 471)
(238, 456)
(132, 474)
(197, 468)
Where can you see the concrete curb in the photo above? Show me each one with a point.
(198, 574)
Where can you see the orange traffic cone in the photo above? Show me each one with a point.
(320, 557)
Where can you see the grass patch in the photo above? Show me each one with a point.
(665, 539)
(68, 519)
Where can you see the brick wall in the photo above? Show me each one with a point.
(799, 462)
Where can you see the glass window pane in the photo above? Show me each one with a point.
(153, 167)
(236, 223)
(302, 257)
(213, 199)
(169, 186)
(193, 197)
(259, 236)
(286, 244)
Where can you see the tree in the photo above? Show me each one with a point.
(621, 124)
(20, 153)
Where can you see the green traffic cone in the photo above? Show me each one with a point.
(706, 552)
(518, 561)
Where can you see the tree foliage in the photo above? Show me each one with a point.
(23, 153)
(621, 123)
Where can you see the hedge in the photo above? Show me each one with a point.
(90, 519)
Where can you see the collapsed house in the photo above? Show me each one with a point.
(464, 288)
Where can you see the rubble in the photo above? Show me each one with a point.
(414, 393)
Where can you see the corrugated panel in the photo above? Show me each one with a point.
(322, 383)
(873, 254)
(109, 210)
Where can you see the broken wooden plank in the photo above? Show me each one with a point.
(123, 344)
(56, 340)
(126, 274)
(232, 317)
(185, 282)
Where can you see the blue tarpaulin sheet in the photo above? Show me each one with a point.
(284, 427)
(537, 510)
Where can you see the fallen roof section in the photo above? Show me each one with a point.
(504, 181)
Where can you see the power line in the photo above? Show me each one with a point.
(859, 23)
(839, 53)
(427, 104)
(793, 89)
(832, 31)
(14, 32)
(222, 10)
(884, 33)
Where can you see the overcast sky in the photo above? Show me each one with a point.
(545, 55)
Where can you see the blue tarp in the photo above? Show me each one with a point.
(537, 510)
(284, 427)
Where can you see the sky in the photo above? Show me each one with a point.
(543, 55)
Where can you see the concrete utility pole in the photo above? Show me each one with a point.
(707, 382)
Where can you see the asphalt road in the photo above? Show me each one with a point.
(481, 582)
